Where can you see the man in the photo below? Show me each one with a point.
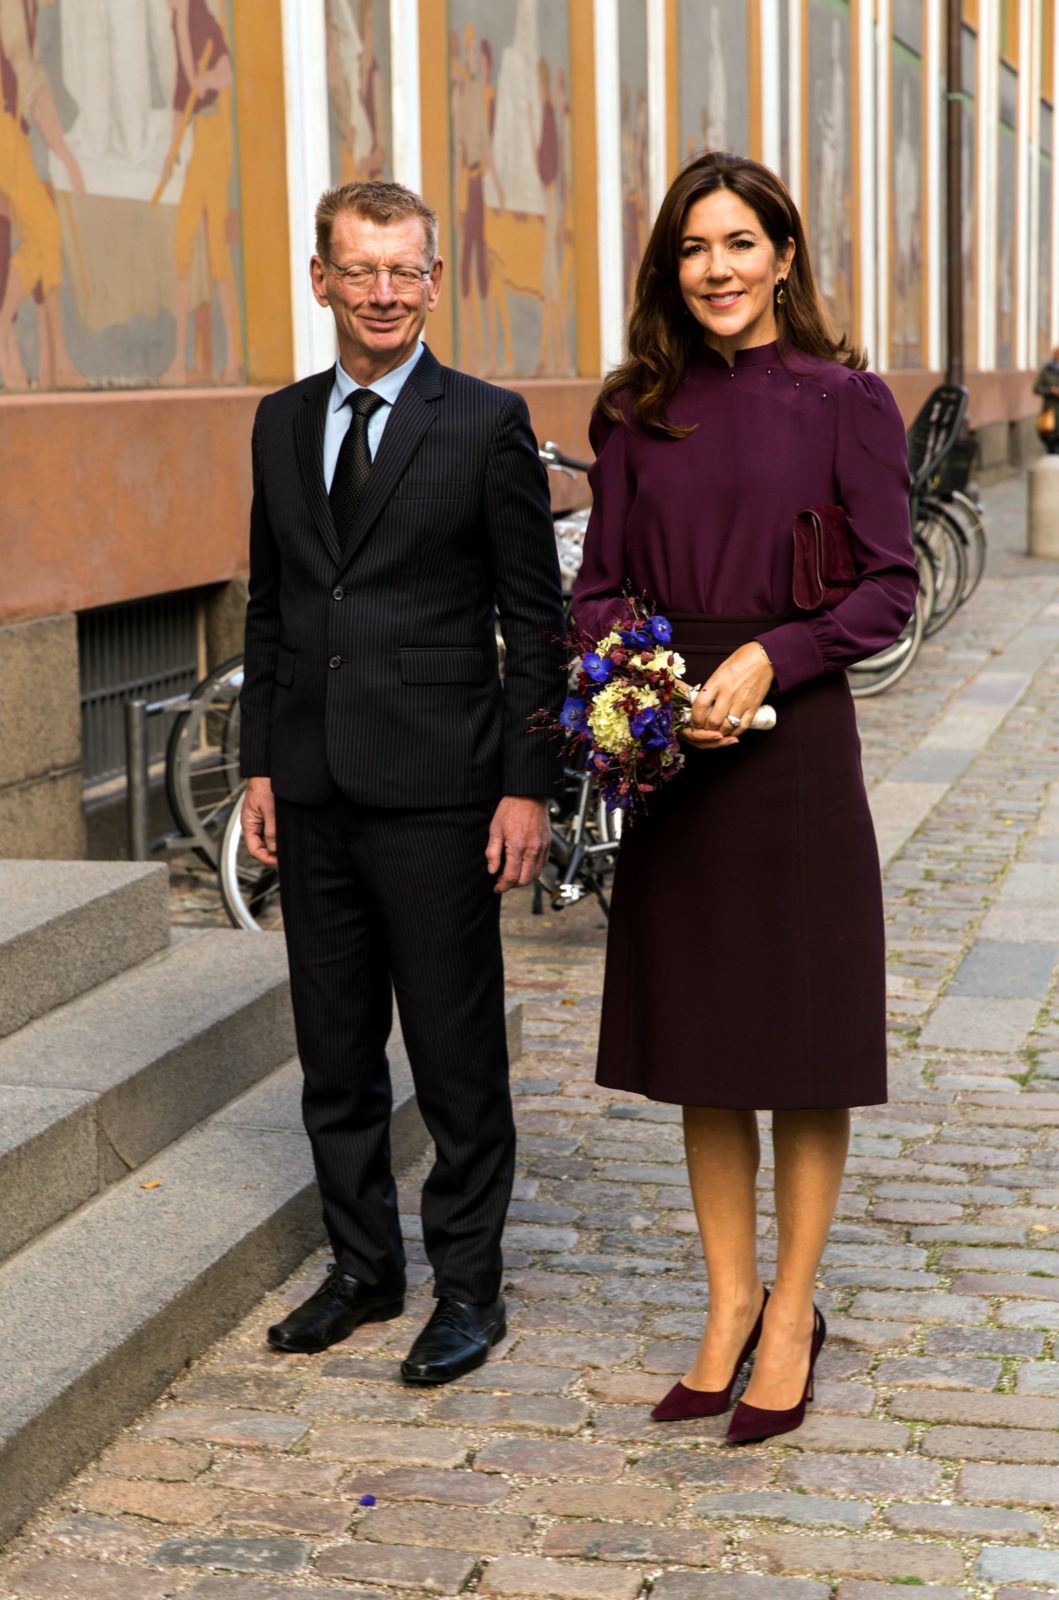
(398, 505)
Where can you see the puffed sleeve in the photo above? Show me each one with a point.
(871, 475)
(599, 591)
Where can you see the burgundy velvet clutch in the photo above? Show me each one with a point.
(824, 569)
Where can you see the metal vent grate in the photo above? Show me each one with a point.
(141, 650)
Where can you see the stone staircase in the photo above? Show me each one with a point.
(155, 1180)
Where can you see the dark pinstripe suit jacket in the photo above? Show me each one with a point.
(376, 666)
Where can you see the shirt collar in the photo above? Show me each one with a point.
(388, 387)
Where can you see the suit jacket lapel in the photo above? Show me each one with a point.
(409, 420)
(309, 446)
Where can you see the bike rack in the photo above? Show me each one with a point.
(137, 775)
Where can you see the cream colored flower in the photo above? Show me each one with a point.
(608, 718)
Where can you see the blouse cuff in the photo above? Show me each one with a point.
(794, 652)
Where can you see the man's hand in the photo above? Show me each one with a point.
(519, 838)
(258, 820)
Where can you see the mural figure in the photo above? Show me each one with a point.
(202, 110)
(513, 185)
(117, 193)
(473, 122)
(33, 266)
(355, 87)
(549, 168)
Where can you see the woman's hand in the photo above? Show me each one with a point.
(736, 689)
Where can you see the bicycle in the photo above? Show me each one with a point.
(202, 758)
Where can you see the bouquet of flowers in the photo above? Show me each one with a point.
(628, 705)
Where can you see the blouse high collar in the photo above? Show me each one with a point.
(758, 355)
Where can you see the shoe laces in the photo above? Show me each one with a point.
(449, 1314)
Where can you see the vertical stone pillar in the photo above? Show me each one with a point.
(225, 617)
(1042, 523)
(41, 814)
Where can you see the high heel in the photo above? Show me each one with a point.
(682, 1402)
(752, 1423)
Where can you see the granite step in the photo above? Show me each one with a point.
(101, 1312)
(66, 926)
(92, 1090)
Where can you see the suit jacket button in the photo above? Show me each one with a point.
(338, 593)
(335, 661)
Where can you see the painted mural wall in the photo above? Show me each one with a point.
(120, 259)
(358, 89)
(969, 196)
(1006, 193)
(714, 76)
(636, 218)
(906, 189)
(1044, 275)
(512, 255)
(828, 144)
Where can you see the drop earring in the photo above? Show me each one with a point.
(781, 292)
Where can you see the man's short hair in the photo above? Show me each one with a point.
(379, 202)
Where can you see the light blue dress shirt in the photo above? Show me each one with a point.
(339, 416)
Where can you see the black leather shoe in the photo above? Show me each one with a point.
(457, 1339)
(339, 1305)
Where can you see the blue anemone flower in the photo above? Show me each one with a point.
(574, 714)
(635, 638)
(642, 721)
(598, 667)
(662, 629)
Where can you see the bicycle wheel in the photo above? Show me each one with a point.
(944, 545)
(883, 670)
(202, 758)
(968, 513)
(249, 889)
(584, 845)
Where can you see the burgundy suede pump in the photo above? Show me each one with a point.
(750, 1424)
(682, 1402)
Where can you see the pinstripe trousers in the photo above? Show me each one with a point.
(379, 902)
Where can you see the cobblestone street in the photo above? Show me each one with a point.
(931, 1455)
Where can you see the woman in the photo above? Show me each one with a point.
(745, 959)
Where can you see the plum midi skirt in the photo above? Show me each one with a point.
(745, 953)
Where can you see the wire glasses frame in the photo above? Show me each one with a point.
(362, 275)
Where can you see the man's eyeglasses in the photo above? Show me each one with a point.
(404, 278)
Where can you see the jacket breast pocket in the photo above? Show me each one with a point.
(454, 664)
(430, 489)
(284, 673)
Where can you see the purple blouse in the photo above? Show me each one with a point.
(703, 524)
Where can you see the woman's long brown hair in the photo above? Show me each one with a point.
(664, 336)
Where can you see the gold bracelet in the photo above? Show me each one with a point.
(764, 652)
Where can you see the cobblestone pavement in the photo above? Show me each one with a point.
(931, 1457)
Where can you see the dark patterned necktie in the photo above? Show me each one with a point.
(354, 462)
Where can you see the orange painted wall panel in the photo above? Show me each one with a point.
(263, 184)
(112, 497)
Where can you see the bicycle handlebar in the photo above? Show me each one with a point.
(552, 456)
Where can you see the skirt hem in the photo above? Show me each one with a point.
(720, 1104)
